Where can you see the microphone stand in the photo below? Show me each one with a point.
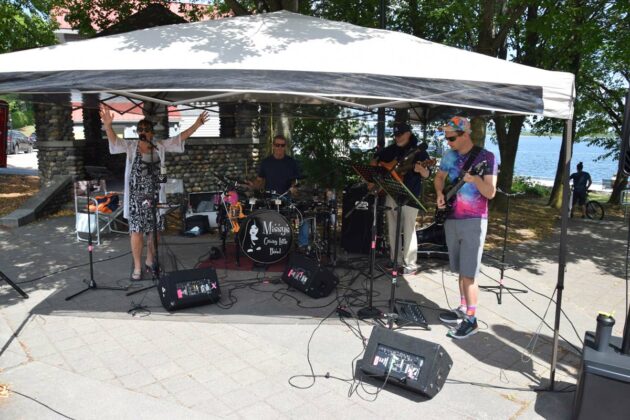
(91, 284)
(154, 210)
(370, 311)
(498, 290)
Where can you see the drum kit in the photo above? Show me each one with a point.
(265, 225)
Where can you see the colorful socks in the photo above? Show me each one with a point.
(471, 310)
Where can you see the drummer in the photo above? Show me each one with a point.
(278, 173)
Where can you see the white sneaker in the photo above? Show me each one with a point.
(453, 316)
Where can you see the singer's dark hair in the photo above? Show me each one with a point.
(145, 122)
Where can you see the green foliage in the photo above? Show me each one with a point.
(21, 112)
(526, 185)
(25, 24)
(320, 140)
(89, 16)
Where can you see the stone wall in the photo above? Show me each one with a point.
(58, 153)
(60, 158)
(235, 158)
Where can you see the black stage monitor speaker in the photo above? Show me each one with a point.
(355, 230)
(411, 363)
(603, 388)
(305, 275)
(187, 288)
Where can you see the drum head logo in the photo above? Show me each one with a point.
(266, 237)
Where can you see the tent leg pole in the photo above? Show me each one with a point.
(562, 260)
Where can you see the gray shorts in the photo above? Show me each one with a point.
(465, 239)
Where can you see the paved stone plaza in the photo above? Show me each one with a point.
(91, 358)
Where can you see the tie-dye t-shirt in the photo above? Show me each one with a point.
(469, 203)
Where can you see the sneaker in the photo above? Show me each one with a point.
(409, 270)
(467, 328)
(453, 316)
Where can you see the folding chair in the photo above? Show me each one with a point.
(100, 222)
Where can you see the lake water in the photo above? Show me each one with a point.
(537, 157)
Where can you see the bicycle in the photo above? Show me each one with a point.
(594, 209)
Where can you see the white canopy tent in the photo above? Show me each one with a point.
(287, 57)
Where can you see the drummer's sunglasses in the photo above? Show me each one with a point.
(279, 145)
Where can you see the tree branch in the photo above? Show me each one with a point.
(499, 38)
(237, 8)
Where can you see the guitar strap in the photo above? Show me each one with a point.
(474, 152)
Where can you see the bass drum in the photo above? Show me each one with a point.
(265, 236)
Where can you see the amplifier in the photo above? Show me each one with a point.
(305, 275)
(187, 288)
(411, 363)
(603, 383)
(355, 230)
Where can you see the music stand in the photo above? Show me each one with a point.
(402, 197)
(96, 174)
(498, 290)
(371, 174)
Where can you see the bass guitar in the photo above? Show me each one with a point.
(449, 194)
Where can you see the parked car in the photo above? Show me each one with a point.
(33, 140)
(18, 142)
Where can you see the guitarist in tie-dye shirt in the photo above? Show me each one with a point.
(467, 223)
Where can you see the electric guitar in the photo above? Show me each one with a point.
(449, 193)
(399, 167)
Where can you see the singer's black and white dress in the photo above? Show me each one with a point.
(133, 212)
(144, 189)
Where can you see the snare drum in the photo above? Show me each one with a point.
(265, 236)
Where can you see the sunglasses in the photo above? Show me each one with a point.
(279, 145)
(452, 138)
(143, 130)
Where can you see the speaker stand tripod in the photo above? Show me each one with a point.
(15, 286)
(91, 284)
(498, 290)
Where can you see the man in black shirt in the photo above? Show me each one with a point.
(404, 143)
(581, 182)
(278, 172)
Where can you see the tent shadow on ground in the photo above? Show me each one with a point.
(506, 349)
(603, 242)
(49, 246)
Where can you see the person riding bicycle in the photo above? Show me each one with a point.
(581, 183)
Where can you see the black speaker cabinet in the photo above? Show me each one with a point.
(603, 389)
(187, 288)
(304, 274)
(355, 230)
(411, 363)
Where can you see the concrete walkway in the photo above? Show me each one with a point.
(93, 358)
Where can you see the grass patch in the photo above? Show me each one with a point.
(530, 219)
(15, 190)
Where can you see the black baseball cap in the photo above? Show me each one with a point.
(401, 128)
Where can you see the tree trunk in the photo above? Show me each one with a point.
(508, 134)
(620, 184)
(555, 199)
(283, 124)
(478, 131)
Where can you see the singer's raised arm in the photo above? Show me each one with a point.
(116, 144)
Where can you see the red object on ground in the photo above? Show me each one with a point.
(4, 132)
